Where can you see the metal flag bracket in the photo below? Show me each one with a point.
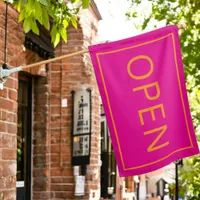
(4, 73)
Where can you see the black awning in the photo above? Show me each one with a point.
(41, 44)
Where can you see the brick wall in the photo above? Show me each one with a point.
(73, 73)
(8, 107)
(41, 172)
(52, 172)
(16, 55)
(89, 28)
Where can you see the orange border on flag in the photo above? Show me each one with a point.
(110, 110)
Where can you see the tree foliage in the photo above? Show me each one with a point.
(180, 12)
(54, 15)
(177, 12)
(190, 178)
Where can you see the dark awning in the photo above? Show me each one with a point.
(41, 44)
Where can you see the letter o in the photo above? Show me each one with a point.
(137, 58)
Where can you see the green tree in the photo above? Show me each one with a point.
(190, 178)
(54, 15)
(176, 12)
(168, 12)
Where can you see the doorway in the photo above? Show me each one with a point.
(108, 167)
(24, 138)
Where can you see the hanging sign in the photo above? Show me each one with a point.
(142, 86)
(81, 134)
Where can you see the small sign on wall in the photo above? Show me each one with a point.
(79, 185)
(81, 145)
(81, 133)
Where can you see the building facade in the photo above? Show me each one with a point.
(36, 112)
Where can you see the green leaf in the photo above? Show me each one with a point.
(53, 33)
(65, 23)
(22, 15)
(27, 24)
(85, 4)
(54, 30)
(57, 39)
(63, 33)
(50, 12)
(38, 13)
(30, 5)
(45, 19)
(19, 5)
(34, 27)
(44, 2)
(145, 23)
(74, 21)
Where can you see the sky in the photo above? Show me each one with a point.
(115, 25)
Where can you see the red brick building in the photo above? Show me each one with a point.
(36, 113)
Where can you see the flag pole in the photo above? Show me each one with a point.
(55, 59)
(4, 73)
(181, 26)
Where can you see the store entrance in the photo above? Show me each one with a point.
(24, 143)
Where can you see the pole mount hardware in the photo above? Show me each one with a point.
(4, 73)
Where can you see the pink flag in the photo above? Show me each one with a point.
(141, 82)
